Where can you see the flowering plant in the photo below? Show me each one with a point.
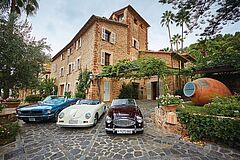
(168, 99)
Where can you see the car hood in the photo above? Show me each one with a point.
(123, 112)
(38, 106)
(76, 111)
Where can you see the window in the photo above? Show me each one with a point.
(135, 21)
(62, 58)
(135, 43)
(78, 43)
(121, 18)
(69, 68)
(68, 87)
(78, 64)
(61, 72)
(105, 58)
(54, 67)
(108, 36)
(141, 26)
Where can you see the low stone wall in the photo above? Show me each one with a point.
(165, 118)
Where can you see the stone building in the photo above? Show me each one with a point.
(104, 41)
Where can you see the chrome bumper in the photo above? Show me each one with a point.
(135, 130)
(36, 116)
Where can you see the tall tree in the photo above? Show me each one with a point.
(216, 13)
(166, 20)
(21, 56)
(182, 18)
(176, 39)
(19, 6)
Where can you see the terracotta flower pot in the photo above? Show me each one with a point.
(170, 108)
(11, 104)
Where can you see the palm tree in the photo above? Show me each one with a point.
(167, 19)
(176, 40)
(181, 18)
(20, 6)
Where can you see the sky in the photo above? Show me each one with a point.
(60, 20)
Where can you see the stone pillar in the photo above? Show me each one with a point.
(166, 118)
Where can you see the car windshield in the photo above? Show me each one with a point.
(117, 102)
(54, 100)
(88, 102)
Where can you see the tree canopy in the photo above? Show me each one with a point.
(212, 14)
(19, 6)
(21, 56)
(223, 50)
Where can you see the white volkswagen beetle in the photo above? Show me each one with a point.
(84, 113)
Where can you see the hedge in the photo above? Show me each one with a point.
(33, 98)
(214, 128)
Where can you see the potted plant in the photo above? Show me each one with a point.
(11, 102)
(169, 102)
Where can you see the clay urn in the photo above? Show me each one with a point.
(201, 91)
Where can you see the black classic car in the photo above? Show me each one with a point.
(124, 117)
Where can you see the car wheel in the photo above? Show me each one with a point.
(141, 132)
(55, 118)
(95, 119)
(108, 132)
(105, 109)
(26, 121)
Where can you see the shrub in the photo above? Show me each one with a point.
(126, 91)
(1, 107)
(8, 132)
(200, 127)
(33, 98)
(67, 94)
(224, 106)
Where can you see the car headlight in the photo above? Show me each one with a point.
(61, 115)
(139, 119)
(87, 115)
(18, 112)
(108, 119)
(49, 111)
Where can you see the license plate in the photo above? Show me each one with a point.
(31, 119)
(124, 131)
(73, 121)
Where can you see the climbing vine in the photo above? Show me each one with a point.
(136, 69)
(83, 84)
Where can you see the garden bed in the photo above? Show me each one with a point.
(8, 125)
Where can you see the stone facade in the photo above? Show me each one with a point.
(102, 41)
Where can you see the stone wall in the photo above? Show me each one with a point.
(165, 118)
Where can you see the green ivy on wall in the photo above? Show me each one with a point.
(83, 84)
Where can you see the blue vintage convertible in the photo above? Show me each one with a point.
(48, 109)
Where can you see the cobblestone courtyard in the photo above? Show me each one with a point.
(47, 141)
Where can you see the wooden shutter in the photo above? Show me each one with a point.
(149, 91)
(76, 44)
(113, 37)
(60, 72)
(103, 33)
(80, 42)
(73, 66)
(137, 44)
(102, 58)
(132, 42)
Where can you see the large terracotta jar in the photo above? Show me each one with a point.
(201, 91)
